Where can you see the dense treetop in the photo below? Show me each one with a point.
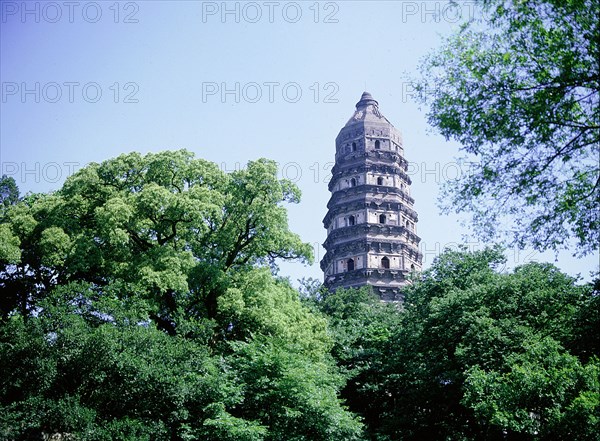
(139, 302)
(520, 90)
(474, 353)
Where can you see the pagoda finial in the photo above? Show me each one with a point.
(365, 100)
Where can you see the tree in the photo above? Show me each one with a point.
(363, 327)
(472, 353)
(542, 393)
(9, 192)
(520, 91)
(65, 374)
(174, 226)
(485, 355)
(10, 252)
(139, 302)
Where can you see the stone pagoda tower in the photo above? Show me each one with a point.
(371, 225)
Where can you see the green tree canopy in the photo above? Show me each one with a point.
(174, 226)
(472, 353)
(9, 192)
(139, 301)
(363, 327)
(519, 90)
(488, 355)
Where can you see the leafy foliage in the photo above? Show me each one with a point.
(520, 92)
(485, 322)
(362, 327)
(472, 354)
(9, 192)
(139, 302)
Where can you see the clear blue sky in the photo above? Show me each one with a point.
(86, 81)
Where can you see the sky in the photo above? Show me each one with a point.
(230, 81)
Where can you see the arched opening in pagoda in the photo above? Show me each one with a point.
(385, 263)
(350, 264)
